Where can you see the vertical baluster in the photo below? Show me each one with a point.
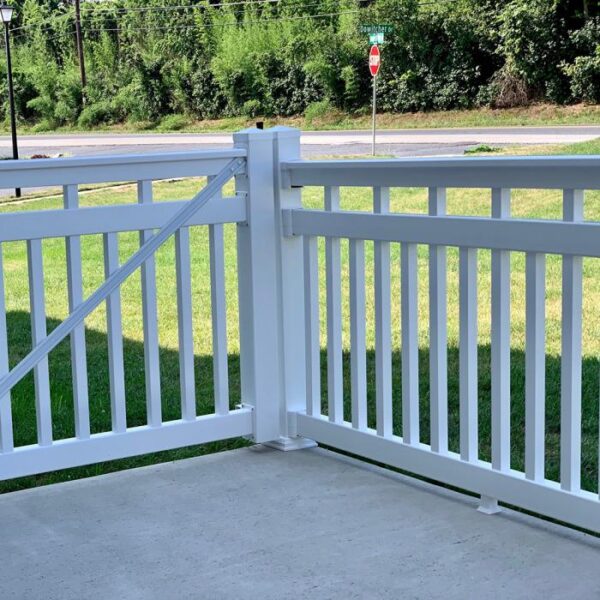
(311, 311)
(41, 374)
(6, 427)
(358, 363)
(383, 325)
(75, 294)
(468, 354)
(500, 341)
(535, 366)
(335, 391)
(187, 383)
(410, 344)
(114, 329)
(570, 376)
(219, 318)
(149, 313)
(438, 332)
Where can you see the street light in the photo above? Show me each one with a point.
(6, 12)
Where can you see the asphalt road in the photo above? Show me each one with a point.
(413, 142)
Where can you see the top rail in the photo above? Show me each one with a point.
(535, 172)
(130, 167)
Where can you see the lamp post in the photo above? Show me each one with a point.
(6, 12)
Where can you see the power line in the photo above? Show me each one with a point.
(184, 6)
(141, 9)
(217, 25)
(19, 33)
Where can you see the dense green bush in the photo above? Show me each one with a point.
(584, 71)
(285, 58)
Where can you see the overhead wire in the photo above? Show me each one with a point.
(19, 33)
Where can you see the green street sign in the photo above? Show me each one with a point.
(381, 28)
(376, 38)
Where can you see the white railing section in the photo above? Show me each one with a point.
(572, 238)
(156, 222)
(279, 312)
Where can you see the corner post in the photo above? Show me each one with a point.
(290, 298)
(261, 379)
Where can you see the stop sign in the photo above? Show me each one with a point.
(374, 60)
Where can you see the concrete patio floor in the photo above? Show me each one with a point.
(259, 523)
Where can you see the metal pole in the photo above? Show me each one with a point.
(374, 110)
(11, 100)
(80, 43)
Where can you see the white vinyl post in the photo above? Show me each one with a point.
(290, 297)
(257, 282)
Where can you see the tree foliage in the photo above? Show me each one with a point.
(147, 59)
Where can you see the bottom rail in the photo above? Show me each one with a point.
(546, 498)
(30, 460)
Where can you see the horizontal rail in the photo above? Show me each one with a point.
(130, 167)
(536, 172)
(552, 237)
(28, 460)
(119, 276)
(111, 219)
(546, 498)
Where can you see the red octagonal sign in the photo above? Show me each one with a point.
(374, 60)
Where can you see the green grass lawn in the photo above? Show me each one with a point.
(534, 204)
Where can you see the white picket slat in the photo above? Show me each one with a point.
(438, 332)
(333, 272)
(311, 312)
(183, 272)
(6, 424)
(500, 341)
(468, 354)
(535, 366)
(218, 300)
(41, 375)
(219, 318)
(410, 344)
(570, 376)
(358, 356)
(114, 331)
(75, 296)
(383, 322)
(150, 320)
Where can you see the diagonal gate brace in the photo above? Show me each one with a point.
(119, 276)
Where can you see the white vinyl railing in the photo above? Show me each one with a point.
(573, 238)
(279, 285)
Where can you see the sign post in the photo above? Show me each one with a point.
(374, 64)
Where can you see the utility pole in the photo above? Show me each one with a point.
(80, 44)
(6, 17)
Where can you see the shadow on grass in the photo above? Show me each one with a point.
(23, 403)
(19, 333)
(590, 408)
